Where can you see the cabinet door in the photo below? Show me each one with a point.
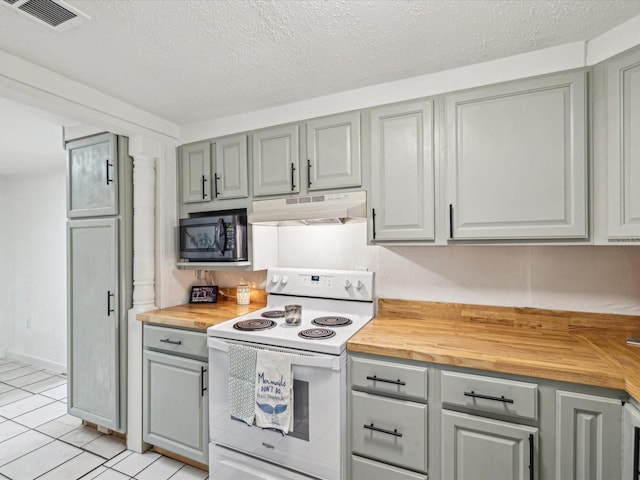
(195, 162)
(176, 406)
(333, 152)
(402, 186)
(93, 321)
(92, 176)
(476, 448)
(230, 178)
(517, 160)
(276, 161)
(588, 436)
(623, 83)
(631, 443)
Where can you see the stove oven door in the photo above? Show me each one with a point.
(315, 446)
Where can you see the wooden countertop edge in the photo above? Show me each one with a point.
(509, 366)
(598, 338)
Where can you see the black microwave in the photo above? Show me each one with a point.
(219, 236)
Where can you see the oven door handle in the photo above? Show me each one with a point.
(311, 360)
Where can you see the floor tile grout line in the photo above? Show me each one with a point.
(68, 460)
(27, 453)
(29, 411)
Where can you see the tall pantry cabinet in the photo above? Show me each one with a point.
(99, 276)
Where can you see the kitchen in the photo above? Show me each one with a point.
(583, 278)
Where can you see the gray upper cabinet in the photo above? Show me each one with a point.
(517, 160)
(623, 97)
(276, 165)
(588, 439)
(476, 448)
(93, 321)
(92, 177)
(333, 152)
(402, 172)
(630, 443)
(230, 179)
(195, 161)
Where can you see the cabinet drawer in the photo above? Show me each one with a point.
(488, 394)
(387, 377)
(176, 341)
(365, 469)
(394, 431)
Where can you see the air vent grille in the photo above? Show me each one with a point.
(47, 11)
(56, 14)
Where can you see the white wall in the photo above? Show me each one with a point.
(35, 264)
(581, 278)
(4, 271)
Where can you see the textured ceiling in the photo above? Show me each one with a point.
(189, 60)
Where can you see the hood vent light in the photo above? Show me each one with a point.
(331, 208)
(56, 14)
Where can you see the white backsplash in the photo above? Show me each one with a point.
(582, 278)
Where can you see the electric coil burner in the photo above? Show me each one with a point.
(331, 321)
(254, 324)
(273, 314)
(317, 333)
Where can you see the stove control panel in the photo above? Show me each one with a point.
(338, 284)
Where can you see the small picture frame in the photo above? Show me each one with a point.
(204, 294)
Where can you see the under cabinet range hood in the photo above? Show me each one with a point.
(330, 208)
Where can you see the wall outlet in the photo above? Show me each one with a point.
(28, 321)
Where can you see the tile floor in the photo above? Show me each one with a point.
(39, 440)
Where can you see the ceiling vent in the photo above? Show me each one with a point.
(56, 14)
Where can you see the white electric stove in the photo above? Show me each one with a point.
(335, 305)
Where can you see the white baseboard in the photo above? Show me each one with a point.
(37, 361)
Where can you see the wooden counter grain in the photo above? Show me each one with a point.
(583, 348)
(203, 316)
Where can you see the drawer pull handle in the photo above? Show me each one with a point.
(384, 380)
(172, 342)
(501, 398)
(393, 432)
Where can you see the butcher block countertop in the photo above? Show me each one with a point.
(203, 316)
(575, 347)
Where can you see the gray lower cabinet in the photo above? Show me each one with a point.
(588, 438)
(477, 448)
(175, 392)
(365, 469)
(93, 328)
(389, 429)
(630, 443)
(388, 419)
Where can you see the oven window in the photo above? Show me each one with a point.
(300, 410)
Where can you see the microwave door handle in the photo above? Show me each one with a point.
(221, 237)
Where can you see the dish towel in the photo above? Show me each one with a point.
(274, 391)
(242, 382)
